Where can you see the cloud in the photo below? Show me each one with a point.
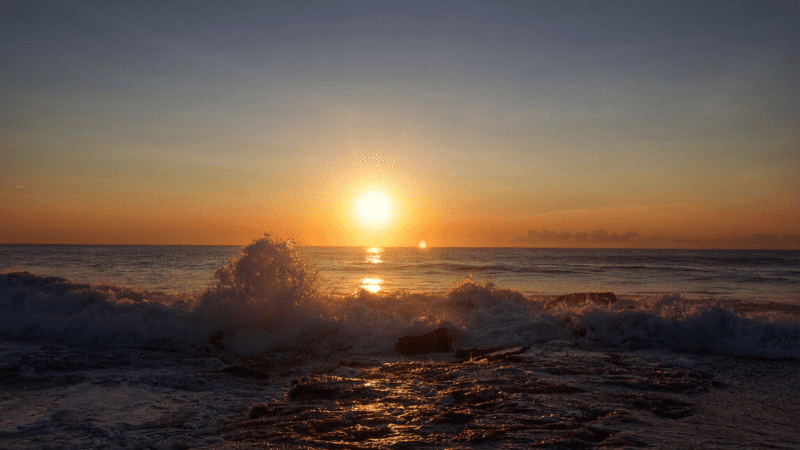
(600, 236)
(758, 240)
(747, 241)
(550, 236)
(634, 239)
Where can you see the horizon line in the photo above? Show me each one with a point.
(407, 246)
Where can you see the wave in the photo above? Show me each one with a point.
(509, 268)
(267, 300)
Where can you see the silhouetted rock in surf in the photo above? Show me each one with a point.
(305, 390)
(603, 298)
(436, 341)
(490, 353)
(467, 354)
(453, 418)
(257, 411)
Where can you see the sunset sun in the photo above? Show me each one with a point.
(449, 224)
(374, 208)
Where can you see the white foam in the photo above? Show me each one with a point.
(265, 301)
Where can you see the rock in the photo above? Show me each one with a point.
(575, 299)
(453, 418)
(467, 354)
(308, 391)
(436, 341)
(490, 353)
(257, 411)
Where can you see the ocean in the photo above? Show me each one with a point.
(183, 347)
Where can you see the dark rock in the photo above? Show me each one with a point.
(436, 341)
(575, 299)
(257, 411)
(305, 391)
(466, 354)
(453, 418)
(491, 353)
(507, 353)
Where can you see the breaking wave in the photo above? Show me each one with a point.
(268, 299)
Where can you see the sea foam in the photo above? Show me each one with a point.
(267, 300)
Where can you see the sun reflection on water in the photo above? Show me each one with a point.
(371, 284)
(374, 255)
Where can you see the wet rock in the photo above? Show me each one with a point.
(577, 298)
(436, 341)
(257, 411)
(466, 354)
(307, 391)
(491, 353)
(453, 418)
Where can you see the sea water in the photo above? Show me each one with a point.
(142, 347)
(757, 275)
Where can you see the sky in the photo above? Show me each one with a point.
(533, 123)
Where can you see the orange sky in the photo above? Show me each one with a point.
(529, 125)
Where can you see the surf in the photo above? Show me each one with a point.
(269, 299)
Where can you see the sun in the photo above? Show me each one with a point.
(374, 208)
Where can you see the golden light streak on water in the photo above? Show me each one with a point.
(371, 284)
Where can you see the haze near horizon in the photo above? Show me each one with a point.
(552, 124)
